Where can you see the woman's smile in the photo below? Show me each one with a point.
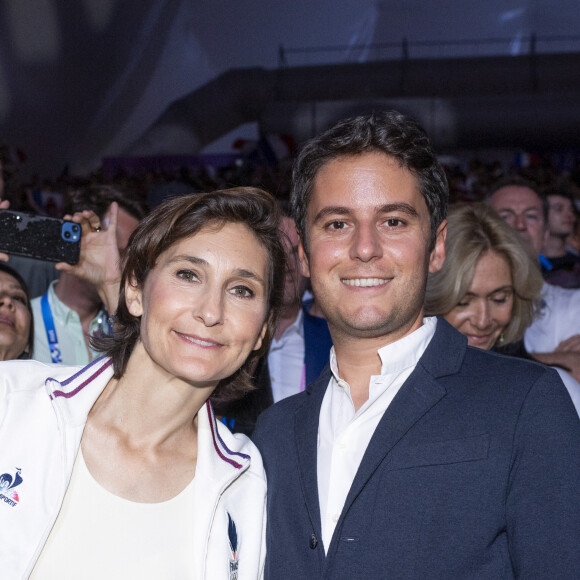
(203, 342)
(485, 311)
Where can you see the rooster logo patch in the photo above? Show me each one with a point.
(8, 483)
(233, 539)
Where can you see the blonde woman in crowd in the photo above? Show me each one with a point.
(488, 288)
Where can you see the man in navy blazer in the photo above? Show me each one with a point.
(413, 455)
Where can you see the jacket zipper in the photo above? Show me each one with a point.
(63, 488)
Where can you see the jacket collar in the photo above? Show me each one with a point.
(221, 454)
(433, 360)
(75, 395)
(446, 351)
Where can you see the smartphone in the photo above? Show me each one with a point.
(43, 238)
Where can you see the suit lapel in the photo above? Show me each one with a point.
(306, 436)
(420, 392)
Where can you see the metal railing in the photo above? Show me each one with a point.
(404, 50)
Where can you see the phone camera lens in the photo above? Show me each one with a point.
(67, 235)
(75, 228)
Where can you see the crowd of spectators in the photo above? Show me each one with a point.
(148, 185)
(504, 271)
(470, 180)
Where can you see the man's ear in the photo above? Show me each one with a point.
(437, 257)
(134, 298)
(303, 257)
(546, 237)
(262, 334)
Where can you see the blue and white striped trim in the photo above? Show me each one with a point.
(221, 448)
(98, 366)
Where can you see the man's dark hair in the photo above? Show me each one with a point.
(564, 192)
(99, 198)
(183, 217)
(389, 132)
(520, 181)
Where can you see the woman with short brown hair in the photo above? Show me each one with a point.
(120, 468)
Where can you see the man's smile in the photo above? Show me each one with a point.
(365, 282)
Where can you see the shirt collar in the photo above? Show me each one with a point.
(295, 328)
(63, 312)
(60, 310)
(401, 354)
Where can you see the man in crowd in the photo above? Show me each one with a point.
(412, 456)
(300, 347)
(561, 267)
(554, 337)
(77, 305)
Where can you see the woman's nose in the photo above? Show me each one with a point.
(210, 312)
(6, 301)
(481, 317)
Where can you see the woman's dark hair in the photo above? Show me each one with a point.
(389, 132)
(183, 217)
(30, 343)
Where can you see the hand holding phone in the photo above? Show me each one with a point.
(99, 258)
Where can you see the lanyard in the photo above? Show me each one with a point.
(50, 330)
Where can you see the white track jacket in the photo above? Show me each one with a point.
(41, 425)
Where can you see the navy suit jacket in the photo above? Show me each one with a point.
(472, 472)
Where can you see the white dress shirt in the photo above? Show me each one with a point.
(559, 319)
(343, 434)
(69, 331)
(286, 361)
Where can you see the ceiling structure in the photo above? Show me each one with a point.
(82, 79)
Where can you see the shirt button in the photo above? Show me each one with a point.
(342, 445)
(335, 518)
(313, 542)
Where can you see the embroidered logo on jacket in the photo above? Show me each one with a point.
(7, 484)
(233, 538)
